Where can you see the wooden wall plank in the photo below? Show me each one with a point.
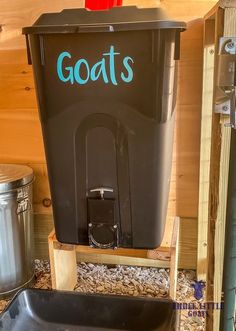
(215, 179)
(187, 160)
(187, 10)
(188, 243)
(229, 31)
(217, 167)
(16, 84)
(174, 259)
(43, 225)
(206, 139)
(221, 219)
(120, 259)
(41, 191)
(18, 13)
(188, 120)
(20, 136)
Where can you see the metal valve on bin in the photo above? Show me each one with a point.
(102, 190)
(102, 227)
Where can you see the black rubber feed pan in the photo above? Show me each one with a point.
(41, 310)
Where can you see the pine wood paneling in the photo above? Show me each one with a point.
(20, 136)
(20, 131)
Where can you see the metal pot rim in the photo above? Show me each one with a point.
(14, 176)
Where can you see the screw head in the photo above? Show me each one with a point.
(115, 226)
(90, 225)
(47, 202)
(225, 108)
(230, 45)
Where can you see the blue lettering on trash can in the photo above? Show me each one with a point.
(129, 69)
(72, 74)
(78, 78)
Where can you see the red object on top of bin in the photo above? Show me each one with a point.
(102, 4)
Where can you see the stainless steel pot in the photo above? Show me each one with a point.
(16, 228)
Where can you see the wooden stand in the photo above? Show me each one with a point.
(64, 257)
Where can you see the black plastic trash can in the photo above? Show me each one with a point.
(106, 90)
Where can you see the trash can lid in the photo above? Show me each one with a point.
(115, 19)
(13, 176)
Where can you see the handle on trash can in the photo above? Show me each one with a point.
(28, 49)
(95, 28)
(102, 190)
(177, 45)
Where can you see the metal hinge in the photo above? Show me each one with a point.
(226, 79)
